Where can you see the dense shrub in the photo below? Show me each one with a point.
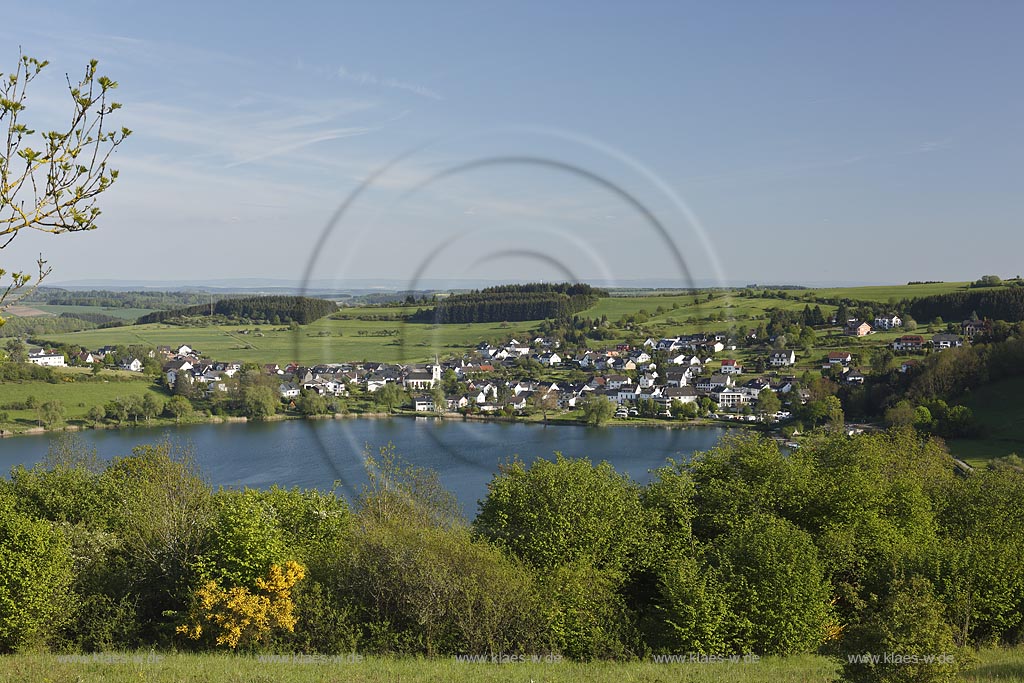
(849, 545)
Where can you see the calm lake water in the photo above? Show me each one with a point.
(315, 454)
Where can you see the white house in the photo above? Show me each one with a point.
(888, 322)
(728, 398)
(423, 404)
(47, 358)
(288, 390)
(647, 380)
(731, 367)
(782, 358)
(616, 381)
(839, 358)
(131, 365)
(714, 382)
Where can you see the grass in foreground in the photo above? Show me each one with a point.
(228, 669)
(1002, 665)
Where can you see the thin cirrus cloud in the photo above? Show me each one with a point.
(366, 78)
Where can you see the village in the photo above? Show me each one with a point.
(681, 376)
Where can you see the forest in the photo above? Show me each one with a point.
(510, 303)
(274, 309)
(116, 299)
(847, 545)
(1005, 303)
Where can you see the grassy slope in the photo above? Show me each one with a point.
(999, 409)
(884, 293)
(77, 397)
(992, 665)
(351, 339)
(415, 342)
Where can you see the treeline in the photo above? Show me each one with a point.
(98, 319)
(43, 325)
(111, 299)
(869, 544)
(1005, 303)
(512, 303)
(272, 309)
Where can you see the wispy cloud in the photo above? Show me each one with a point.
(934, 145)
(366, 78)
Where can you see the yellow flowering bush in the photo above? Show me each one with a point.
(237, 615)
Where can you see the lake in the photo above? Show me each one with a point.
(317, 453)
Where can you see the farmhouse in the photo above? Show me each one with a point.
(47, 358)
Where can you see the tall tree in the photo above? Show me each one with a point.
(597, 410)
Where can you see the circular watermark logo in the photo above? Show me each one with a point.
(511, 205)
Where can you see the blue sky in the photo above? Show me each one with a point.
(775, 142)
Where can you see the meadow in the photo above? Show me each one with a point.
(76, 396)
(885, 293)
(352, 334)
(1005, 666)
(324, 341)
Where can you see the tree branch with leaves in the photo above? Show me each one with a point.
(50, 180)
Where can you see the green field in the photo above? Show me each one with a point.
(886, 293)
(346, 337)
(350, 339)
(1006, 666)
(342, 340)
(999, 410)
(733, 306)
(77, 397)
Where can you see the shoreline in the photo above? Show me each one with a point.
(230, 419)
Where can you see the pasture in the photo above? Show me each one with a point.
(886, 293)
(76, 396)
